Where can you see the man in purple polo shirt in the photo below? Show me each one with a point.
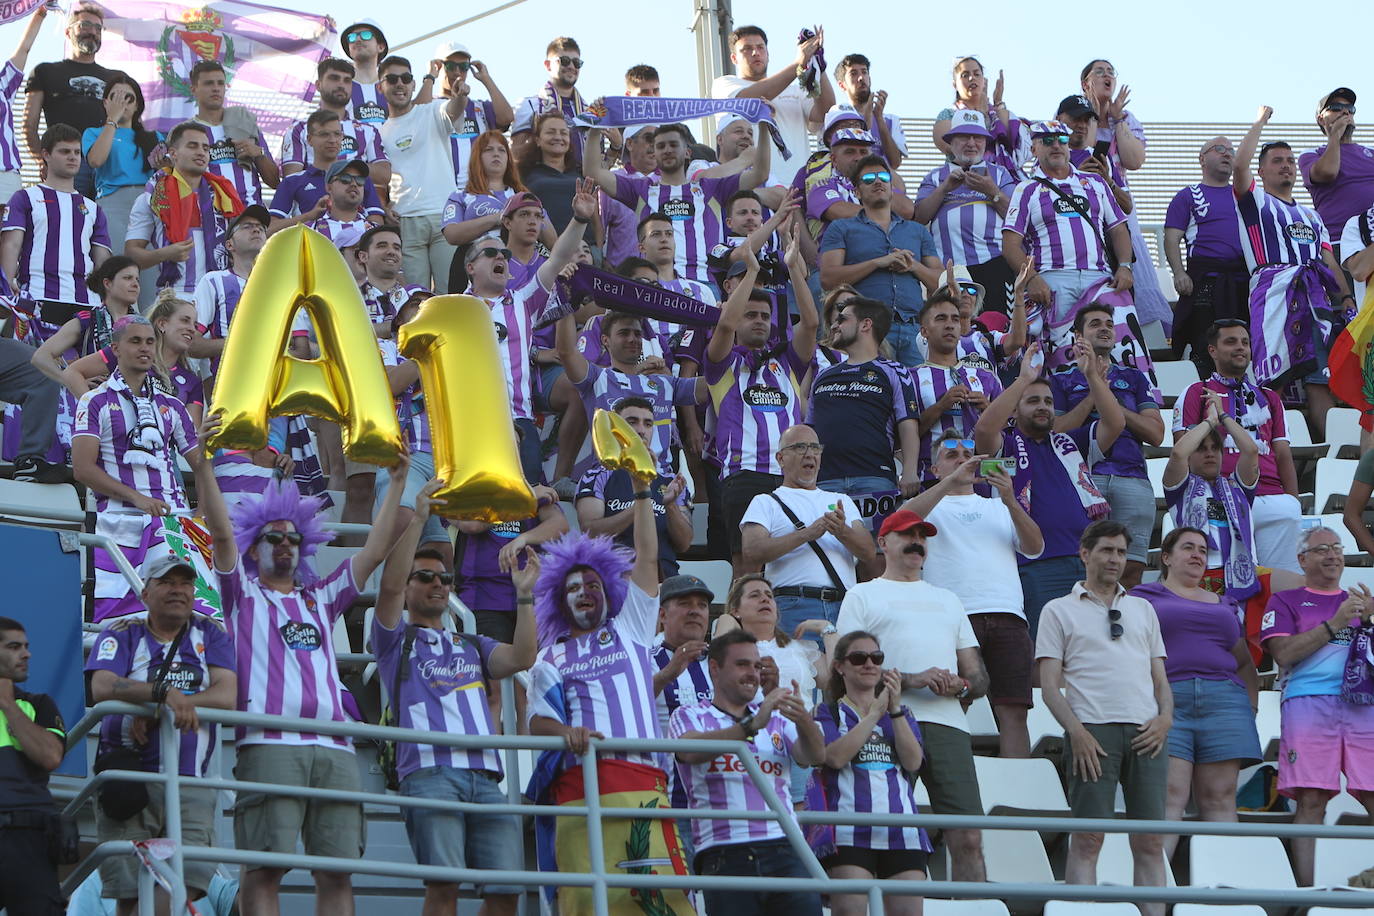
(1120, 475)
(965, 201)
(1216, 283)
(1051, 478)
(1339, 175)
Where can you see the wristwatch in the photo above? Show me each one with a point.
(829, 630)
(749, 727)
(997, 198)
(1127, 265)
(963, 694)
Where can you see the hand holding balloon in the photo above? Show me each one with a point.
(619, 448)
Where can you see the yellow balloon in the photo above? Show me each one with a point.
(453, 339)
(619, 447)
(300, 268)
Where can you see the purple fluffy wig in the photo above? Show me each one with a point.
(573, 551)
(281, 501)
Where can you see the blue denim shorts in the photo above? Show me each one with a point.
(457, 840)
(1212, 722)
(421, 472)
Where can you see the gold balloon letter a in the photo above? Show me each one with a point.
(454, 341)
(300, 268)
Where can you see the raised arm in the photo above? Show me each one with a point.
(987, 432)
(20, 57)
(732, 311)
(396, 572)
(594, 167)
(584, 209)
(1241, 178)
(757, 173)
(565, 343)
(645, 571)
(381, 538)
(804, 334)
(211, 503)
(1176, 469)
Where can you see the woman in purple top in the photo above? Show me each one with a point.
(1216, 689)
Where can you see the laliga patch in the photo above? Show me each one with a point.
(1268, 620)
(108, 647)
(303, 637)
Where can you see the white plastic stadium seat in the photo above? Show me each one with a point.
(1258, 862)
(1300, 438)
(1016, 857)
(1334, 477)
(1337, 860)
(1009, 785)
(1336, 522)
(934, 907)
(37, 503)
(1267, 721)
(1215, 909)
(1088, 908)
(1116, 865)
(715, 573)
(1154, 470)
(981, 722)
(1174, 377)
(1343, 432)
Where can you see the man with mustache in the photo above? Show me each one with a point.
(928, 638)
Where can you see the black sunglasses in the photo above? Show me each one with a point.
(405, 78)
(1231, 323)
(428, 575)
(1114, 615)
(566, 61)
(463, 66)
(276, 537)
(493, 253)
(1340, 106)
(859, 658)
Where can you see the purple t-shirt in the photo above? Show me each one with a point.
(1207, 217)
(1352, 192)
(1133, 390)
(1043, 488)
(480, 583)
(1198, 636)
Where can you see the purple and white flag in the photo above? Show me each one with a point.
(266, 52)
(14, 10)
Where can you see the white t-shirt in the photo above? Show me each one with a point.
(918, 626)
(801, 566)
(796, 662)
(976, 532)
(791, 106)
(1352, 244)
(421, 159)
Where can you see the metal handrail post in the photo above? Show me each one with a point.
(147, 890)
(875, 899)
(510, 727)
(596, 848)
(786, 819)
(171, 815)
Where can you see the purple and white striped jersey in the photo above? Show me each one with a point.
(701, 292)
(61, 231)
(342, 232)
(756, 398)
(445, 691)
(606, 387)
(10, 79)
(383, 304)
(478, 118)
(604, 680)
(691, 687)
(216, 296)
(695, 209)
(224, 161)
(127, 649)
(723, 784)
(514, 313)
(967, 228)
(931, 383)
(140, 455)
(285, 648)
(872, 783)
(368, 104)
(360, 141)
(146, 227)
(1277, 232)
(410, 404)
(1052, 230)
(466, 205)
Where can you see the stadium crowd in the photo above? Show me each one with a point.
(969, 347)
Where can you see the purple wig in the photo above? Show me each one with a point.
(572, 551)
(281, 501)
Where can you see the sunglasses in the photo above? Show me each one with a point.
(871, 177)
(276, 537)
(462, 66)
(1053, 140)
(428, 575)
(970, 288)
(404, 78)
(862, 658)
(1114, 616)
(360, 35)
(566, 61)
(1341, 106)
(493, 253)
(350, 179)
(952, 444)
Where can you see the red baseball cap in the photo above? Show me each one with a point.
(904, 520)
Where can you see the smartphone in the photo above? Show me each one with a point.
(990, 465)
(1101, 148)
(878, 691)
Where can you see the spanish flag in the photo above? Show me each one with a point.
(1352, 362)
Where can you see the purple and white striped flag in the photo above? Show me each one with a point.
(266, 52)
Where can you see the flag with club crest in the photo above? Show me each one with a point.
(269, 55)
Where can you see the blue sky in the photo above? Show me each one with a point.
(1184, 60)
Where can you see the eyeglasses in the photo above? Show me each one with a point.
(493, 253)
(404, 78)
(1053, 140)
(1116, 629)
(346, 178)
(803, 448)
(952, 444)
(360, 35)
(871, 177)
(1102, 71)
(462, 66)
(1321, 550)
(84, 25)
(1219, 148)
(862, 658)
(566, 61)
(970, 288)
(276, 537)
(1340, 106)
(428, 575)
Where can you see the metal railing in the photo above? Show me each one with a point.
(600, 881)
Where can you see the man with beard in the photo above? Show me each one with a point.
(331, 202)
(358, 140)
(365, 45)
(1051, 478)
(1216, 283)
(928, 638)
(965, 201)
(282, 616)
(71, 91)
(563, 63)
(304, 196)
(1339, 175)
(242, 160)
(856, 82)
(478, 117)
(1299, 300)
(694, 204)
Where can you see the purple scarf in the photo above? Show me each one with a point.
(1238, 553)
(1358, 684)
(622, 295)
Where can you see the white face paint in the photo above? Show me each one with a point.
(277, 559)
(586, 598)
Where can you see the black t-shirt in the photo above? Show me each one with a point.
(71, 92)
(555, 191)
(24, 784)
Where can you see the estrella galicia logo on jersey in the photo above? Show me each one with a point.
(679, 210)
(223, 151)
(369, 113)
(1301, 233)
(183, 677)
(501, 332)
(506, 530)
(761, 397)
(1066, 208)
(876, 754)
(303, 637)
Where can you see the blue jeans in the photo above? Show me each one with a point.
(462, 840)
(793, 609)
(1043, 581)
(854, 487)
(903, 335)
(770, 859)
(530, 448)
(421, 472)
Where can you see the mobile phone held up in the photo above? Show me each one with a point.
(1101, 148)
(990, 465)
